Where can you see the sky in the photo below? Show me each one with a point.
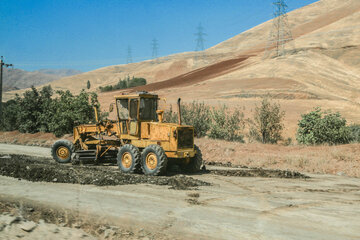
(89, 34)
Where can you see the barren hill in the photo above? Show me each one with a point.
(320, 69)
(19, 79)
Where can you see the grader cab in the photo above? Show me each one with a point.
(138, 139)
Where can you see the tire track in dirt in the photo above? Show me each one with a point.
(196, 76)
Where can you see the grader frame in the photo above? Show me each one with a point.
(138, 136)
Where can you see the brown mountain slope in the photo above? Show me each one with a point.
(323, 69)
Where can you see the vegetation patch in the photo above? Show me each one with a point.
(123, 84)
(44, 111)
(320, 127)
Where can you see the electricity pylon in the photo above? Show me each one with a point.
(280, 33)
(129, 55)
(155, 48)
(200, 40)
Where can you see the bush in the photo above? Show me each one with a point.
(355, 133)
(215, 123)
(170, 116)
(318, 127)
(194, 114)
(197, 115)
(267, 126)
(69, 109)
(41, 112)
(226, 125)
(123, 84)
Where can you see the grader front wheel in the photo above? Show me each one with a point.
(62, 151)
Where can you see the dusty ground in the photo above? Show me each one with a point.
(341, 160)
(232, 207)
(15, 226)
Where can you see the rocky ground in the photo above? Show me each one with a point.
(16, 227)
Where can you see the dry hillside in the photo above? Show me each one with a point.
(320, 70)
(19, 79)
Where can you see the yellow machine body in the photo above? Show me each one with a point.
(139, 123)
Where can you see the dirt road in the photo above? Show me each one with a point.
(321, 207)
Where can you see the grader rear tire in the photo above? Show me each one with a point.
(62, 150)
(128, 159)
(153, 160)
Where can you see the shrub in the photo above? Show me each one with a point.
(216, 123)
(355, 133)
(69, 109)
(267, 126)
(318, 127)
(194, 114)
(197, 115)
(41, 112)
(123, 84)
(226, 125)
(170, 116)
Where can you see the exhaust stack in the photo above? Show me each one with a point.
(179, 111)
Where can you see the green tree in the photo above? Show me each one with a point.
(227, 125)
(70, 110)
(266, 125)
(319, 127)
(197, 115)
(88, 85)
(39, 111)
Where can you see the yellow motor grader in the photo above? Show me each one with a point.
(138, 139)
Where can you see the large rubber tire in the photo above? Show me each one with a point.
(129, 158)
(195, 162)
(153, 160)
(62, 150)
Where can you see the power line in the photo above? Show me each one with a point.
(280, 33)
(2, 64)
(129, 55)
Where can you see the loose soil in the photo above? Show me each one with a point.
(41, 169)
(259, 172)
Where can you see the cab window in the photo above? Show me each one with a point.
(133, 108)
(148, 107)
(123, 108)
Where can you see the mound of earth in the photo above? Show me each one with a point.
(42, 169)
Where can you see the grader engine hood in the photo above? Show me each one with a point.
(179, 136)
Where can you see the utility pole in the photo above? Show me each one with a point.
(280, 33)
(129, 55)
(2, 64)
(155, 48)
(200, 41)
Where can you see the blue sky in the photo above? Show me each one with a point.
(89, 34)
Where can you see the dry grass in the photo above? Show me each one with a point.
(343, 159)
